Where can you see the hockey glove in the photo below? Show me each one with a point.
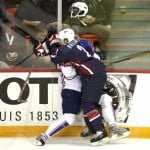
(41, 50)
(44, 48)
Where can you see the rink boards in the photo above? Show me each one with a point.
(40, 103)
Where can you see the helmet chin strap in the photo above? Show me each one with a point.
(82, 22)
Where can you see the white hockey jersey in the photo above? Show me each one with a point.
(69, 78)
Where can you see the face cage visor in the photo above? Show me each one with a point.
(75, 12)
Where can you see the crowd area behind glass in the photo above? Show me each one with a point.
(25, 23)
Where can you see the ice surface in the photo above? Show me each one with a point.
(73, 143)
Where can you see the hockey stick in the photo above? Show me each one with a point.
(128, 57)
(23, 60)
(19, 99)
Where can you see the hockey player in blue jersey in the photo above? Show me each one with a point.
(90, 69)
(106, 108)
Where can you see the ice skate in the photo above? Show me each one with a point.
(118, 132)
(86, 133)
(40, 140)
(99, 139)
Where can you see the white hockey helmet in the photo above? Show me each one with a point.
(66, 34)
(78, 9)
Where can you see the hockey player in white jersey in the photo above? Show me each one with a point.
(71, 97)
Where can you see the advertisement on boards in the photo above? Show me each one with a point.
(40, 101)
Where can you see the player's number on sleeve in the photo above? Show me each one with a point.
(84, 50)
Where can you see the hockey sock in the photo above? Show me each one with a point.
(93, 115)
(58, 125)
(95, 120)
(89, 126)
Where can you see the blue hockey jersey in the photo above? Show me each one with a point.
(76, 54)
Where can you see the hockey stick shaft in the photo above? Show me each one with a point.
(23, 60)
(128, 57)
(20, 100)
